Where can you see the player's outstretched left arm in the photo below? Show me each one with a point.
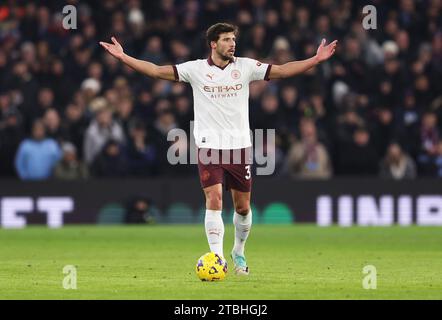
(291, 69)
(148, 68)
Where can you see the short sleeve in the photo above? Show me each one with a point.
(183, 71)
(258, 70)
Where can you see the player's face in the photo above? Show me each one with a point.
(225, 46)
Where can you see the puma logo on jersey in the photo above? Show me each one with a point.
(210, 75)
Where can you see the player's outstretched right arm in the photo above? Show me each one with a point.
(293, 68)
(145, 67)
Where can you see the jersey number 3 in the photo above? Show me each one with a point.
(248, 174)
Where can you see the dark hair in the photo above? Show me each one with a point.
(38, 122)
(214, 31)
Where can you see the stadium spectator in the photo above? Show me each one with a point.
(20, 78)
(141, 153)
(90, 88)
(110, 162)
(123, 114)
(430, 139)
(437, 161)
(289, 102)
(45, 101)
(184, 112)
(385, 80)
(165, 122)
(154, 51)
(143, 104)
(281, 51)
(346, 125)
(397, 164)
(429, 133)
(62, 84)
(269, 116)
(138, 210)
(272, 152)
(11, 134)
(359, 157)
(101, 129)
(37, 156)
(383, 130)
(407, 117)
(74, 126)
(308, 158)
(69, 167)
(51, 120)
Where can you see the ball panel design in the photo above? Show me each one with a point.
(211, 267)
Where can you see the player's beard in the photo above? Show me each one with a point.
(225, 57)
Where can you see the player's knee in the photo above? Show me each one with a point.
(242, 209)
(214, 201)
(214, 204)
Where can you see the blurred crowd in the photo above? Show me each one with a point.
(68, 110)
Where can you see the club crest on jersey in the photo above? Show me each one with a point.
(236, 74)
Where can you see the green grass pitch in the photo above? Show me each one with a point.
(157, 262)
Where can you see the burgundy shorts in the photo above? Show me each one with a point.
(231, 167)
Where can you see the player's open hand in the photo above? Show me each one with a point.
(324, 52)
(114, 49)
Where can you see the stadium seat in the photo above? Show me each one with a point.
(180, 213)
(112, 213)
(277, 213)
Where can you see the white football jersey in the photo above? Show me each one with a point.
(221, 100)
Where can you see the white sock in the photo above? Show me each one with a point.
(214, 231)
(242, 229)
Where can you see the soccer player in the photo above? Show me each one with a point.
(220, 87)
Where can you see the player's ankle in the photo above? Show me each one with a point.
(237, 252)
